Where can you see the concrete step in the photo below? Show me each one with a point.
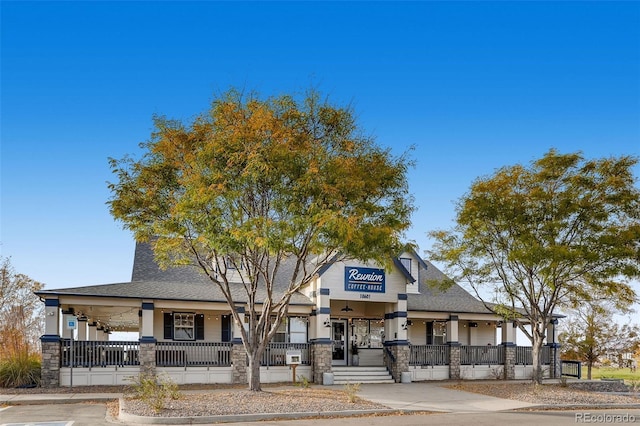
(350, 374)
(362, 380)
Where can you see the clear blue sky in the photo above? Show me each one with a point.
(474, 86)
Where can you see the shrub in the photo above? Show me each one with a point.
(303, 382)
(20, 370)
(351, 389)
(154, 391)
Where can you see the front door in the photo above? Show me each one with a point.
(339, 338)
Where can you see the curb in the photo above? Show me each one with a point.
(57, 400)
(557, 407)
(236, 418)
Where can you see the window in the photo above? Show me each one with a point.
(183, 326)
(297, 330)
(406, 262)
(294, 328)
(233, 262)
(436, 333)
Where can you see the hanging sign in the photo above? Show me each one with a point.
(365, 280)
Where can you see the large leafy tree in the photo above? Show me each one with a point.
(542, 237)
(21, 316)
(256, 182)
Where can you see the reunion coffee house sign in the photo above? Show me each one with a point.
(370, 280)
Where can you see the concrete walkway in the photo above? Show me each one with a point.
(427, 396)
(422, 396)
(430, 396)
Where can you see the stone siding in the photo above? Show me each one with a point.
(50, 369)
(321, 357)
(454, 362)
(401, 364)
(510, 362)
(239, 362)
(148, 359)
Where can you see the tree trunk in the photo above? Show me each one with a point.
(589, 365)
(253, 373)
(536, 350)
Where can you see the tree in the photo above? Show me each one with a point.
(591, 333)
(21, 318)
(551, 235)
(255, 183)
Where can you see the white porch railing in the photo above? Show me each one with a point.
(429, 355)
(98, 353)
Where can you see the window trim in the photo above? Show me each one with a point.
(177, 326)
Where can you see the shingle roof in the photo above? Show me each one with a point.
(148, 281)
(188, 283)
(454, 299)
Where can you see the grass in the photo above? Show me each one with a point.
(611, 373)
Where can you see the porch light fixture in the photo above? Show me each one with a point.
(346, 308)
(327, 323)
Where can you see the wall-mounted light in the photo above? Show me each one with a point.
(473, 324)
(327, 323)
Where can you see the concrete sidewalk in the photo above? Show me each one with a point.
(423, 396)
(420, 396)
(431, 396)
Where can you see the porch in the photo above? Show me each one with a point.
(442, 362)
(84, 363)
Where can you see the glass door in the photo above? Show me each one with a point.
(339, 338)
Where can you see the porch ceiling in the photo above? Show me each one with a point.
(116, 318)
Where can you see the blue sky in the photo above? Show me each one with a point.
(472, 85)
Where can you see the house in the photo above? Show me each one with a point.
(354, 321)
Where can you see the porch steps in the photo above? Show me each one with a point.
(344, 375)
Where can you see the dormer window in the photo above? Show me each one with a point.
(406, 262)
(233, 262)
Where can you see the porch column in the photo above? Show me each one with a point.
(321, 349)
(454, 347)
(92, 330)
(508, 341)
(52, 317)
(555, 363)
(322, 329)
(50, 345)
(82, 329)
(147, 341)
(398, 346)
(238, 354)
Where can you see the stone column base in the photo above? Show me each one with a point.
(401, 364)
(321, 355)
(147, 358)
(50, 368)
(509, 362)
(454, 361)
(239, 362)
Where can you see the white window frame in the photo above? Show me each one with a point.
(183, 323)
